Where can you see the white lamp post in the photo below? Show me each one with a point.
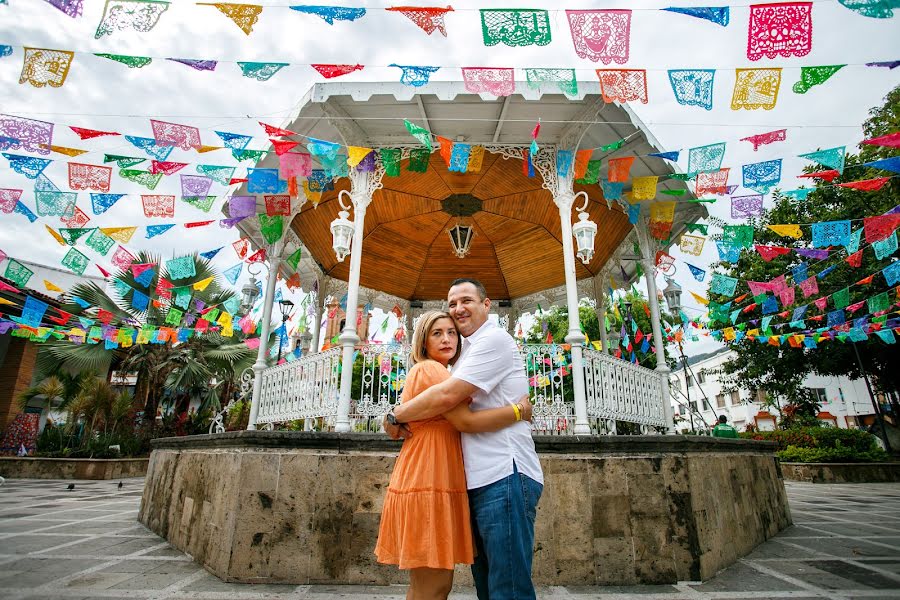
(672, 294)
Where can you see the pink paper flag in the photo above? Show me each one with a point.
(810, 287)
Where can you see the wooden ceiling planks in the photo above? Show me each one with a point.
(516, 249)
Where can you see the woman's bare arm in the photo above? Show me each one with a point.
(480, 421)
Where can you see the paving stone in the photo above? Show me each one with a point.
(845, 538)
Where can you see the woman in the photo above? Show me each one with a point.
(425, 523)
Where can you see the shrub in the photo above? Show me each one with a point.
(822, 444)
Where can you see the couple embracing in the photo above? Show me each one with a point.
(469, 497)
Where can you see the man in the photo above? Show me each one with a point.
(503, 473)
(723, 429)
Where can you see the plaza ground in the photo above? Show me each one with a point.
(86, 543)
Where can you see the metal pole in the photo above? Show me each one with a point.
(655, 321)
(880, 416)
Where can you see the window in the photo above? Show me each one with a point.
(701, 376)
(681, 409)
(694, 405)
(758, 396)
(735, 398)
(690, 383)
(819, 395)
(720, 400)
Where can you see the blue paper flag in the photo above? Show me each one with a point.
(762, 176)
(235, 141)
(150, 146)
(265, 181)
(139, 300)
(209, 254)
(5, 50)
(770, 305)
(693, 87)
(33, 311)
(672, 156)
(698, 273)
(145, 278)
(826, 272)
(833, 158)
(415, 76)
(645, 346)
(830, 233)
(261, 71)
(564, 160)
(232, 273)
(836, 317)
(800, 273)
(322, 148)
(155, 230)
(29, 166)
(24, 210)
(727, 252)
(886, 335)
(716, 14)
(634, 213)
(799, 312)
(330, 14)
(892, 273)
(100, 203)
(886, 164)
(459, 157)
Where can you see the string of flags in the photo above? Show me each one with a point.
(753, 88)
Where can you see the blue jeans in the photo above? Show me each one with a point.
(503, 523)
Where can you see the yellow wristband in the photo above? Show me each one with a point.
(517, 411)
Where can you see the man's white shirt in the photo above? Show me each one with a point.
(491, 362)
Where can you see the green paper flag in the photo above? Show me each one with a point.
(18, 273)
(812, 76)
(123, 162)
(271, 227)
(71, 236)
(144, 178)
(390, 158)
(879, 303)
(99, 242)
(294, 259)
(418, 160)
(613, 146)
(421, 134)
(133, 62)
(203, 203)
(841, 298)
(174, 316)
(592, 175)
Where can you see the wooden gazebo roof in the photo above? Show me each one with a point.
(517, 247)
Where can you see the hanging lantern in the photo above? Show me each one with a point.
(672, 294)
(341, 235)
(584, 232)
(249, 294)
(461, 239)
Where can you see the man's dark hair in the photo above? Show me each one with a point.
(723, 419)
(478, 285)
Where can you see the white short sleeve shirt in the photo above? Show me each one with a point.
(491, 362)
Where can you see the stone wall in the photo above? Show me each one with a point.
(842, 472)
(304, 508)
(72, 468)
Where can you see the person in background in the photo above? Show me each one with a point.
(723, 429)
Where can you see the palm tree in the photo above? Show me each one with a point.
(186, 366)
(59, 385)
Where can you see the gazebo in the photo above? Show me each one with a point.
(407, 234)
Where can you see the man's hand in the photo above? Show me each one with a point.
(396, 432)
(525, 407)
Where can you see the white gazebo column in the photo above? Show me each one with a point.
(564, 198)
(362, 186)
(647, 261)
(260, 365)
(600, 303)
(315, 325)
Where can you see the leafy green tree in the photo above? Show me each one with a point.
(780, 370)
(206, 366)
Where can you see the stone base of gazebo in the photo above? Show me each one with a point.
(266, 507)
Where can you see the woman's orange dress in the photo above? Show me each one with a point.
(425, 520)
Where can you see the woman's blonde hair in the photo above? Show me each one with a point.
(417, 352)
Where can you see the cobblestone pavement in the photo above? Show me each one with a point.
(86, 544)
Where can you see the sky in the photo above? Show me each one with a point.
(106, 95)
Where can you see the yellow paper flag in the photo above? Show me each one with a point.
(355, 154)
(56, 235)
(644, 188)
(313, 197)
(243, 15)
(51, 286)
(202, 149)
(476, 157)
(5, 301)
(203, 284)
(64, 150)
(700, 299)
(120, 234)
(729, 333)
(787, 230)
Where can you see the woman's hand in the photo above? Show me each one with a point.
(525, 408)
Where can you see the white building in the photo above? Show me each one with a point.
(845, 403)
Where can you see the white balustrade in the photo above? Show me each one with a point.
(616, 390)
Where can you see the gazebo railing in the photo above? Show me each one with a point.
(617, 391)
